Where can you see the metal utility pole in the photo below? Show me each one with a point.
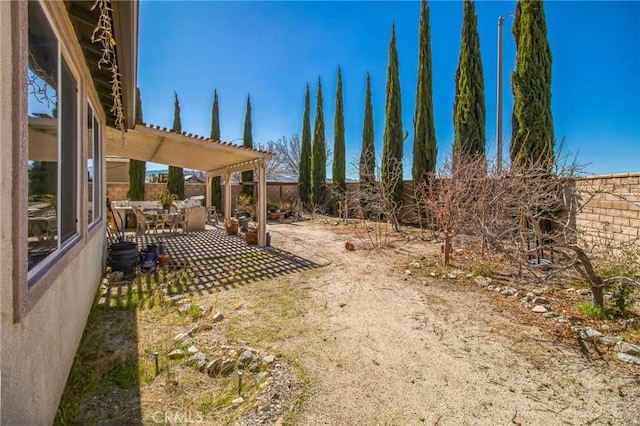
(499, 103)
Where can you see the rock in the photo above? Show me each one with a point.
(213, 367)
(238, 400)
(433, 274)
(583, 291)
(452, 276)
(549, 314)
(193, 350)
(570, 290)
(509, 291)
(260, 377)
(217, 317)
(624, 357)
(176, 353)
(269, 359)
(415, 264)
(560, 320)
(180, 337)
(407, 272)
(537, 291)
(628, 348)
(175, 298)
(255, 365)
(610, 340)
(226, 367)
(575, 321)
(342, 304)
(588, 334)
(199, 360)
(525, 299)
(246, 357)
(469, 276)
(539, 300)
(492, 287)
(605, 327)
(539, 309)
(424, 283)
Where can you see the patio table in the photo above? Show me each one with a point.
(163, 218)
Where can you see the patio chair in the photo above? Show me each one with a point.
(145, 223)
(180, 219)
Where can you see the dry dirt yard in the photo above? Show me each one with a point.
(375, 345)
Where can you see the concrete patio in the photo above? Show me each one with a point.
(215, 260)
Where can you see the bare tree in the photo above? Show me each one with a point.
(377, 210)
(452, 198)
(286, 161)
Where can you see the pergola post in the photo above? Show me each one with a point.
(262, 204)
(227, 196)
(209, 201)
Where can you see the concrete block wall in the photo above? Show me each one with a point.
(611, 209)
(120, 190)
(277, 192)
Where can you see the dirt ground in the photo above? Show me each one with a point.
(384, 347)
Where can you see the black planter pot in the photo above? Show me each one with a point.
(123, 257)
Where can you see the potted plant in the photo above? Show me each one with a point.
(231, 225)
(251, 234)
(245, 210)
(166, 199)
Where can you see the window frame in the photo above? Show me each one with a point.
(97, 145)
(30, 286)
(64, 59)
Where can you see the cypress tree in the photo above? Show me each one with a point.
(216, 193)
(393, 133)
(469, 114)
(319, 154)
(175, 183)
(368, 153)
(424, 142)
(304, 177)
(247, 177)
(137, 169)
(532, 138)
(339, 179)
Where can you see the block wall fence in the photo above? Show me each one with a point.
(611, 208)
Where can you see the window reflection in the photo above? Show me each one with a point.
(90, 164)
(42, 76)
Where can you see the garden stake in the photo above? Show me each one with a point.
(155, 358)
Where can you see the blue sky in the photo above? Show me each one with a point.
(271, 50)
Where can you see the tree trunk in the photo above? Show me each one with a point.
(598, 298)
(585, 268)
(447, 249)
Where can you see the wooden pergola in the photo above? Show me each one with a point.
(217, 158)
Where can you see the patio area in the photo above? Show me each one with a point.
(214, 260)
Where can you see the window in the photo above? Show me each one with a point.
(53, 144)
(94, 200)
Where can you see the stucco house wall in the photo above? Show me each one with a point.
(42, 318)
